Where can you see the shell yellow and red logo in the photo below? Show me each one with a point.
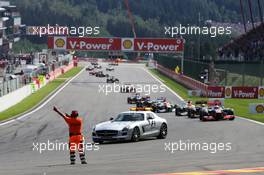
(59, 42)
(127, 44)
(260, 109)
(228, 92)
(261, 92)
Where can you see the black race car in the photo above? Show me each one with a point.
(94, 63)
(136, 99)
(112, 79)
(127, 88)
(92, 72)
(109, 69)
(101, 74)
(113, 64)
(159, 107)
(188, 109)
(89, 68)
(215, 113)
(98, 66)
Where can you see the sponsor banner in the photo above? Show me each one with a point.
(216, 92)
(256, 108)
(84, 44)
(194, 93)
(245, 92)
(158, 45)
(261, 92)
(228, 92)
(117, 44)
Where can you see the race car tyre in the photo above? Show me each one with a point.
(135, 135)
(98, 141)
(163, 131)
(190, 114)
(177, 113)
(233, 118)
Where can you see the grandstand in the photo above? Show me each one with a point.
(248, 47)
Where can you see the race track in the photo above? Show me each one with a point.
(145, 157)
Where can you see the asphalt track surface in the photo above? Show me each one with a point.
(145, 157)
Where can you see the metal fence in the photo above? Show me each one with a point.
(226, 73)
(10, 86)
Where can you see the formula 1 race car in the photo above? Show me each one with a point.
(92, 72)
(101, 74)
(113, 64)
(112, 79)
(98, 66)
(160, 107)
(216, 113)
(127, 88)
(94, 63)
(136, 98)
(188, 109)
(89, 68)
(109, 69)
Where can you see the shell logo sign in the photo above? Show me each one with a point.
(260, 109)
(127, 44)
(261, 92)
(60, 43)
(228, 92)
(256, 108)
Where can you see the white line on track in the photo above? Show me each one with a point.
(43, 104)
(162, 82)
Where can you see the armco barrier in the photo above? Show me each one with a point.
(18, 95)
(184, 80)
(14, 97)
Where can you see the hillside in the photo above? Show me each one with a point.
(110, 15)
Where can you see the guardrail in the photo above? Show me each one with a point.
(19, 94)
(184, 80)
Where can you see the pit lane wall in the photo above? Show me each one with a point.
(18, 95)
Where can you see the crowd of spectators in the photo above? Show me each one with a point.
(247, 47)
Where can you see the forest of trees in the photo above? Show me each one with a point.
(150, 16)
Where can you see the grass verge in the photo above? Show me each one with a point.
(34, 99)
(241, 106)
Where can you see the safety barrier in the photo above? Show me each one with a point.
(18, 95)
(184, 80)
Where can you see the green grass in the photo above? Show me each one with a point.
(34, 99)
(71, 72)
(241, 106)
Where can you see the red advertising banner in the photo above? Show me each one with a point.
(216, 92)
(162, 45)
(85, 44)
(158, 45)
(245, 92)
